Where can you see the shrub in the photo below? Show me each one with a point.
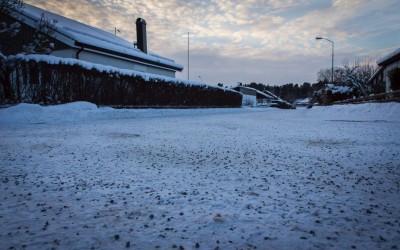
(50, 80)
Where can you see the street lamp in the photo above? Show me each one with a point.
(333, 46)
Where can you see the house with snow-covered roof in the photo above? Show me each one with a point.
(386, 64)
(73, 39)
(302, 102)
(255, 98)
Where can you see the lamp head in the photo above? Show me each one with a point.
(318, 38)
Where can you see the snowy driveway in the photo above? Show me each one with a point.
(325, 178)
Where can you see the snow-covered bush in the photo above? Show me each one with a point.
(350, 81)
(333, 93)
(355, 74)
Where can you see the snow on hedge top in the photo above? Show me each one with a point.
(86, 34)
(110, 69)
(388, 57)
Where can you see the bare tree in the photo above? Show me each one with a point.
(353, 74)
(324, 75)
(357, 74)
(350, 80)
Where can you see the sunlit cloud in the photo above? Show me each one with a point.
(264, 31)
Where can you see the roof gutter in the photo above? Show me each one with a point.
(121, 55)
(78, 52)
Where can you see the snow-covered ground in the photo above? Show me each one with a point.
(80, 177)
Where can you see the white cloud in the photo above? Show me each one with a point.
(267, 31)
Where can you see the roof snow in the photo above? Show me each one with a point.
(85, 34)
(388, 57)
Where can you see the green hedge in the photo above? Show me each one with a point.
(39, 81)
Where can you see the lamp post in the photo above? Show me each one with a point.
(333, 46)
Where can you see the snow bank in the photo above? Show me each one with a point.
(353, 112)
(34, 113)
(84, 111)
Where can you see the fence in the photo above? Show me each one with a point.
(384, 97)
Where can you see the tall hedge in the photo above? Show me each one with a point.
(40, 81)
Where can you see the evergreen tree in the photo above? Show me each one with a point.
(41, 43)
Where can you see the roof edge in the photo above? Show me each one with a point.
(389, 58)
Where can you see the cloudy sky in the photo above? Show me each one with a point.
(266, 41)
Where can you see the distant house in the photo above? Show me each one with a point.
(386, 64)
(302, 102)
(255, 98)
(249, 95)
(73, 39)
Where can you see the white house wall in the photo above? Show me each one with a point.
(66, 53)
(249, 100)
(159, 71)
(112, 61)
